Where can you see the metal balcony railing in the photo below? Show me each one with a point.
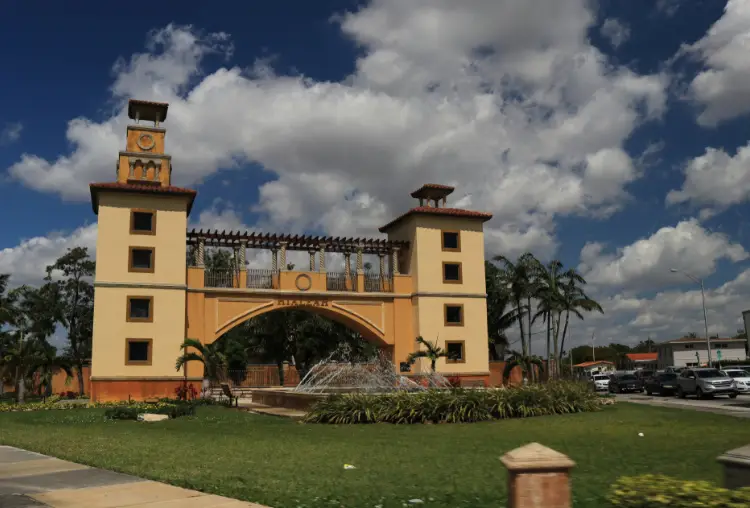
(377, 283)
(220, 278)
(260, 278)
(337, 281)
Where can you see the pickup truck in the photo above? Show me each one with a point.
(705, 383)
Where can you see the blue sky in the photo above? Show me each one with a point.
(605, 134)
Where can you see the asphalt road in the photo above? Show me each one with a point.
(721, 404)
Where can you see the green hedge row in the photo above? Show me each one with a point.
(457, 406)
(656, 491)
(131, 412)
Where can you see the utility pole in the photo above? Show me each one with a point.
(593, 351)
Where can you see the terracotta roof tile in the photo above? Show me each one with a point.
(429, 210)
(95, 188)
(589, 364)
(643, 357)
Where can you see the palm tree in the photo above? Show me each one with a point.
(547, 291)
(46, 363)
(574, 300)
(525, 362)
(210, 355)
(517, 279)
(432, 352)
(499, 318)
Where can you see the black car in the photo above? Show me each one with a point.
(621, 383)
(663, 384)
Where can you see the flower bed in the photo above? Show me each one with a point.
(458, 405)
(653, 491)
(54, 404)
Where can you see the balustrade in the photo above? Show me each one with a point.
(377, 283)
(341, 281)
(261, 279)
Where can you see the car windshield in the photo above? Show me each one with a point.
(628, 377)
(737, 373)
(600, 378)
(709, 373)
(668, 377)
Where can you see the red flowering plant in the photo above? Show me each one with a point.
(186, 392)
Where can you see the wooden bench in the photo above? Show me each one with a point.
(228, 392)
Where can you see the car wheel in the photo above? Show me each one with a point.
(649, 392)
(732, 395)
(681, 393)
(699, 393)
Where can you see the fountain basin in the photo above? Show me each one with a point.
(280, 397)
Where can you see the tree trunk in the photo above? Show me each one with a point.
(528, 310)
(549, 330)
(433, 363)
(565, 330)
(524, 348)
(81, 384)
(556, 336)
(280, 367)
(20, 387)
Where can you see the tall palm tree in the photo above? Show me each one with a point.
(210, 355)
(525, 362)
(517, 278)
(499, 317)
(548, 283)
(574, 300)
(432, 352)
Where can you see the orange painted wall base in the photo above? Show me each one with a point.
(115, 390)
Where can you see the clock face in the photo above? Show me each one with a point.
(145, 142)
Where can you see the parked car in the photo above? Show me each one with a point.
(620, 383)
(663, 384)
(600, 382)
(705, 382)
(643, 375)
(741, 378)
(674, 370)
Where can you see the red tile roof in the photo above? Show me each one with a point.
(95, 188)
(590, 364)
(642, 357)
(147, 107)
(429, 210)
(447, 189)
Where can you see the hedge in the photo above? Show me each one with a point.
(656, 491)
(131, 412)
(458, 405)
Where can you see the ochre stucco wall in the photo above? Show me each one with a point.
(114, 238)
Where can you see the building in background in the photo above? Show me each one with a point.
(591, 368)
(641, 361)
(692, 351)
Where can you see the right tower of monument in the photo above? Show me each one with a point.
(446, 262)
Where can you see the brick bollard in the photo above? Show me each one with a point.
(538, 477)
(736, 467)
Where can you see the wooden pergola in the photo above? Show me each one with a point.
(281, 243)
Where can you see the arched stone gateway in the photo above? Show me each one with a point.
(149, 297)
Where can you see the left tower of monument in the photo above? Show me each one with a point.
(140, 285)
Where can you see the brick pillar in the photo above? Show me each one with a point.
(736, 465)
(538, 477)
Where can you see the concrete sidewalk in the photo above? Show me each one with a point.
(30, 479)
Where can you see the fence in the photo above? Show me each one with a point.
(260, 279)
(219, 278)
(376, 283)
(338, 281)
(262, 376)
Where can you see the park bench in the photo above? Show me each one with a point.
(228, 392)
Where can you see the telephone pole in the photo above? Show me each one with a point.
(593, 351)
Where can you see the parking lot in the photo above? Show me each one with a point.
(722, 405)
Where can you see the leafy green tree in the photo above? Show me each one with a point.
(527, 363)
(75, 305)
(518, 279)
(431, 352)
(46, 364)
(548, 280)
(210, 355)
(574, 301)
(499, 317)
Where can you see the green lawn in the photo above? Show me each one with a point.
(282, 464)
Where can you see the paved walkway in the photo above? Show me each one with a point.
(739, 407)
(30, 479)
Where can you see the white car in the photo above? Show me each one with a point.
(741, 379)
(601, 382)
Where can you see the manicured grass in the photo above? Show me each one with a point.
(282, 464)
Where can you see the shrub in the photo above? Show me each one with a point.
(656, 491)
(131, 412)
(454, 381)
(186, 392)
(68, 395)
(457, 405)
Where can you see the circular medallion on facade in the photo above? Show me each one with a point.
(145, 142)
(303, 282)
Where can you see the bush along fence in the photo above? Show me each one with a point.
(458, 405)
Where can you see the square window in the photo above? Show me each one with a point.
(142, 222)
(140, 309)
(451, 241)
(452, 273)
(454, 315)
(138, 352)
(455, 350)
(141, 259)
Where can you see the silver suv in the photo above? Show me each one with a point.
(705, 383)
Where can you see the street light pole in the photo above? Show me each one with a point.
(703, 301)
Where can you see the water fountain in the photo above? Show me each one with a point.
(343, 372)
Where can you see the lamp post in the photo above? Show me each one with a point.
(703, 300)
